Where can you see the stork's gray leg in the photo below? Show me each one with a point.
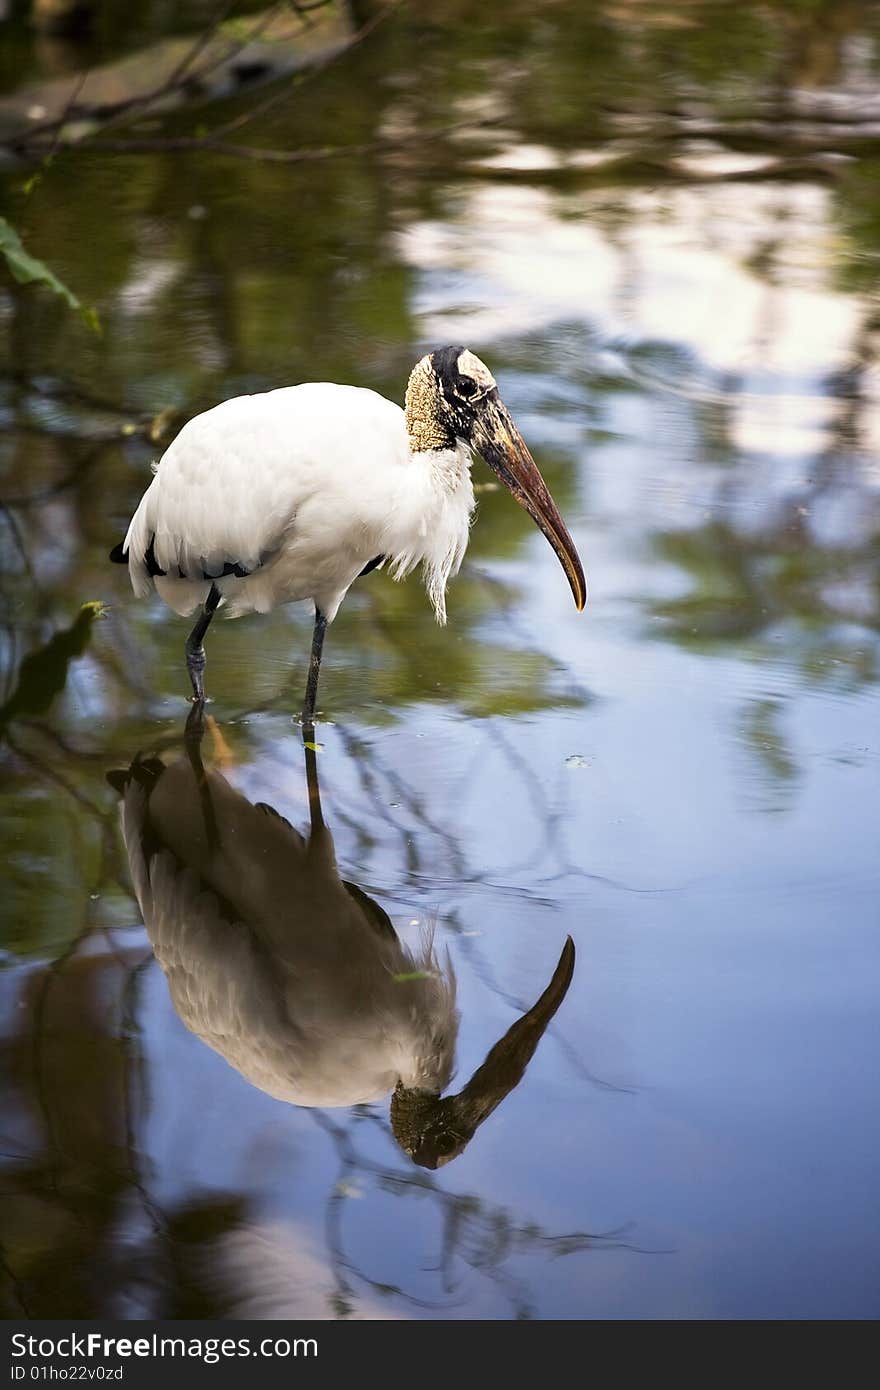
(308, 714)
(195, 652)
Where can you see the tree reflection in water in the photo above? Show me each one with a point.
(663, 230)
(79, 1178)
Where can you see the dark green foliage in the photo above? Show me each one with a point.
(43, 673)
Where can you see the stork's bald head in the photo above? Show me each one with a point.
(463, 378)
(452, 396)
(444, 389)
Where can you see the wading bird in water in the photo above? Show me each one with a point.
(294, 493)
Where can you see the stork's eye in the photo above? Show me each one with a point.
(467, 386)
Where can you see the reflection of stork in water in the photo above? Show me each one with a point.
(296, 976)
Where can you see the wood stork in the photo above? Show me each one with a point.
(294, 493)
(295, 976)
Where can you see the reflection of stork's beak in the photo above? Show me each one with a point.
(433, 1130)
(497, 439)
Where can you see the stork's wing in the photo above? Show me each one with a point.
(119, 556)
(241, 480)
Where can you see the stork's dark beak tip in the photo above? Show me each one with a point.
(580, 591)
(554, 528)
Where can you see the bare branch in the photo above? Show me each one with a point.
(311, 155)
(31, 140)
(181, 75)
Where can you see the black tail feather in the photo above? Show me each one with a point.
(372, 565)
(119, 556)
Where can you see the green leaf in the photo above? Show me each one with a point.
(27, 188)
(90, 314)
(26, 269)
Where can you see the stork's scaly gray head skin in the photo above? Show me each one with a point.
(452, 396)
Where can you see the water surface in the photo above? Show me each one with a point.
(665, 244)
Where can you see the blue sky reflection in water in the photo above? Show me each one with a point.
(683, 322)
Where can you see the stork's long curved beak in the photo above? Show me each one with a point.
(497, 439)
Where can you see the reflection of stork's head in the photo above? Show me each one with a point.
(433, 1130)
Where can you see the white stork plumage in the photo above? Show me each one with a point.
(295, 976)
(294, 493)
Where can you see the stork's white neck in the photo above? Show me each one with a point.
(449, 468)
(427, 518)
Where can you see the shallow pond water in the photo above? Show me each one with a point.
(658, 225)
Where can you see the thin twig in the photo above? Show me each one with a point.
(65, 116)
(203, 39)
